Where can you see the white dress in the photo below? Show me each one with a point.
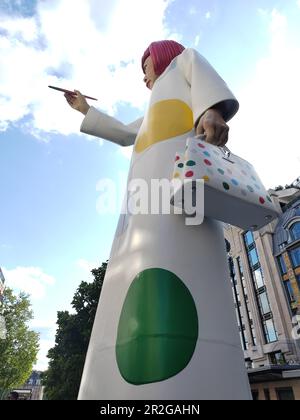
(165, 327)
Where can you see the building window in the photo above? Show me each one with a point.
(253, 333)
(248, 363)
(249, 238)
(295, 256)
(285, 394)
(289, 291)
(241, 271)
(258, 278)
(264, 303)
(298, 281)
(295, 231)
(261, 291)
(277, 358)
(253, 257)
(245, 294)
(237, 301)
(270, 332)
(282, 265)
(267, 394)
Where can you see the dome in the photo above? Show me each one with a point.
(281, 233)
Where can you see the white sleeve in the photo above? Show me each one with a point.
(208, 89)
(98, 124)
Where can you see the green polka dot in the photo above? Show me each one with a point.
(269, 199)
(158, 328)
(226, 186)
(190, 163)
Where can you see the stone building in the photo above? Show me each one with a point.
(265, 275)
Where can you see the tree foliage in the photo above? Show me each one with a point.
(62, 379)
(18, 345)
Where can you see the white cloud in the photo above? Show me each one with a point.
(207, 15)
(44, 324)
(197, 40)
(86, 267)
(265, 131)
(31, 280)
(42, 360)
(86, 50)
(22, 29)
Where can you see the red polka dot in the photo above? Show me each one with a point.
(201, 145)
(177, 158)
(189, 174)
(262, 200)
(207, 162)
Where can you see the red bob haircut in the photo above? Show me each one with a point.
(162, 53)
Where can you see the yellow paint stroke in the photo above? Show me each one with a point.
(166, 119)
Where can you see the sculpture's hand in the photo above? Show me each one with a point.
(214, 127)
(77, 101)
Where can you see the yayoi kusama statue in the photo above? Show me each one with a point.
(165, 327)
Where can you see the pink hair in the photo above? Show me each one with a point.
(162, 53)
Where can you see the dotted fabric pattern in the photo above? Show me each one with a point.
(232, 174)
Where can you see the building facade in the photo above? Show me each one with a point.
(265, 275)
(32, 389)
(2, 281)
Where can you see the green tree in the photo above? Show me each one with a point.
(19, 345)
(62, 379)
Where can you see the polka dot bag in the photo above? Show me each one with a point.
(233, 192)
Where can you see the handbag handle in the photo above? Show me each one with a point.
(224, 149)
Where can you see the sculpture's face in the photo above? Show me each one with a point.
(150, 75)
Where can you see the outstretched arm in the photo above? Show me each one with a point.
(97, 123)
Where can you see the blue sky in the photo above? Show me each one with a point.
(51, 231)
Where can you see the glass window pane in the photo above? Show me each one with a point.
(240, 266)
(295, 231)
(253, 257)
(282, 265)
(259, 278)
(277, 358)
(295, 255)
(270, 331)
(289, 291)
(285, 394)
(298, 281)
(249, 238)
(253, 335)
(264, 303)
(237, 317)
(267, 394)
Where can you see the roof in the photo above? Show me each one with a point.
(273, 373)
(22, 391)
(281, 235)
